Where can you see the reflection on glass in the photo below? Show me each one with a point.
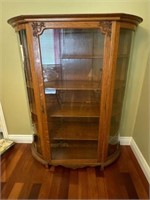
(72, 66)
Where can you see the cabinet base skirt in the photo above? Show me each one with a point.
(73, 163)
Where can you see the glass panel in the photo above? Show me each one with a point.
(72, 62)
(31, 99)
(30, 90)
(25, 56)
(27, 69)
(119, 88)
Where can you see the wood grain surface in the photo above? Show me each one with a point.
(22, 177)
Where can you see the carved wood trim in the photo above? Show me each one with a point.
(38, 28)
(105, 27)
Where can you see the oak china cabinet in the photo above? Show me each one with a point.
(75, 69)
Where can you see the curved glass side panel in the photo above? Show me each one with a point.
(125, 42)
(30, 89)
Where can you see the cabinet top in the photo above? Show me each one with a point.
(122, 17)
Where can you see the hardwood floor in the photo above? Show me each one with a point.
(22, 177)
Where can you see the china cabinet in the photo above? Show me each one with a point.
(75, 69)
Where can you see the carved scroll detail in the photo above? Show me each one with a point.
(37, 28)
(105, 27)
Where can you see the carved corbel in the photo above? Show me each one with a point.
(105, 27)
(38, 28)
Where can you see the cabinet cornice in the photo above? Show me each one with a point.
(121, 17)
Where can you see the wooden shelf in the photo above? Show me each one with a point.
(82, 56)
(74, 110)
(79, 85)
(76, 131)
(79, 150)
(80, 110)
(73, 85)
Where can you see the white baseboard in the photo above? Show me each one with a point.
(21, 138)
(29, 138)
(123, 141)
(141, 160)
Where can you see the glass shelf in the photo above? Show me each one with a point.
(64, 56)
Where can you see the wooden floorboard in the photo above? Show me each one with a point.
(22, 177)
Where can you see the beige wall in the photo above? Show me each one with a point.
(141, 133)
(14, 96)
